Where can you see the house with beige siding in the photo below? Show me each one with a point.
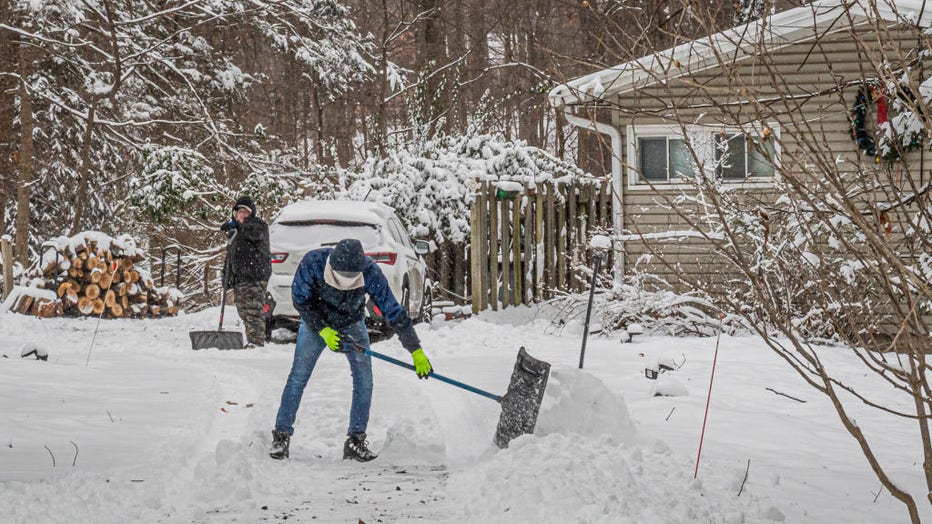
(748, 104)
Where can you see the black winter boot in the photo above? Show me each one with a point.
(280, 442)
(357, 448)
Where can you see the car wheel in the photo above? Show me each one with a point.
(427, 303)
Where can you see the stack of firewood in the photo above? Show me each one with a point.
(93, 274)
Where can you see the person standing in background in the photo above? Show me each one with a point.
(250, 267)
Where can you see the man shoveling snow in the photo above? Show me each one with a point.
(329, 291)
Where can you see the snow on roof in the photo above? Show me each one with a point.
(787, 27)
(342, 210)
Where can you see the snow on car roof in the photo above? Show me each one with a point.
(343, 210)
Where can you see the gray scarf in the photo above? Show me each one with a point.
(336, 279)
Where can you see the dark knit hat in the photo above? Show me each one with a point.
(348, 256)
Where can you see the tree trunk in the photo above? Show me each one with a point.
(319, 127)
(532, 114)
(431, 56)
(24, 183)
(444, 280)
(381, 131)
(8, 64)
(478, 35)
(455, 19)
(84, 171)
(459, 270)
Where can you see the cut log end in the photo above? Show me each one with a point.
(85, 305)
(92, 291)
(116, 310)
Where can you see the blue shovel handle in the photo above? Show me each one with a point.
(437, 376)
(359, 347)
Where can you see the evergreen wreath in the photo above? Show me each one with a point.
(859, 132)
(890, 143)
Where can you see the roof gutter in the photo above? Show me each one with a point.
(618, 211)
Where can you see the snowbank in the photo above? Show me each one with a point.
(576, 402)
(586, 464)
(595, 479)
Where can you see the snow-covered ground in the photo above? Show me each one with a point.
(165, 434)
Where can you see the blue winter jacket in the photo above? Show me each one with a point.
(322, 305)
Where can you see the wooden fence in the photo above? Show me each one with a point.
(527, 245)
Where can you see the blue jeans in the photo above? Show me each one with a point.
(307, 350)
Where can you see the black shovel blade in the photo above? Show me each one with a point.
(216, 339)
(521, 403)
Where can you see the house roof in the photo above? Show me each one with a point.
(787, 27)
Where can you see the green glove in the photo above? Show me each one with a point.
(331, 338)
(421, 364)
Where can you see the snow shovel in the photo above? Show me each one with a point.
(520, 404)
(219, 339)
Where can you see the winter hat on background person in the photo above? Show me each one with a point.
(245, 202)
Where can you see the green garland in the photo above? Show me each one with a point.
(894, 145)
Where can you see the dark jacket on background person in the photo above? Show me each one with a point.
(322, 305)
(249, 256)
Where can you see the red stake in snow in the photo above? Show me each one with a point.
(709, 398)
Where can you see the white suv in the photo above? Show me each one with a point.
(312, 224)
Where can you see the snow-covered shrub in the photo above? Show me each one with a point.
(431, 184)
(645, 301)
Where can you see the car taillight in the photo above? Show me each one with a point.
(278, 258)
(383, 258)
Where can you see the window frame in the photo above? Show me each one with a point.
(634, 132)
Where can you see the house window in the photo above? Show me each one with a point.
(739, 156)
(663, 156)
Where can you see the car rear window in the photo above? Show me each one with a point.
(322, 233)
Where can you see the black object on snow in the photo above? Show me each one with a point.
(521, 403)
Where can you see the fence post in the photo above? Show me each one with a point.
(571, 229)
(550, 241)
(162, 269)
(475, 280)
(493, 247)
(516, 252)
(6, 248)
(530, 252)
(539, 243)
(506, 252)
(207, 278)
(561, 243)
